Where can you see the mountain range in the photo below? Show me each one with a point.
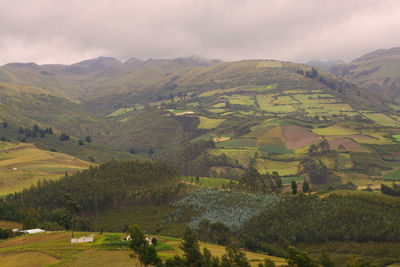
(211, 117)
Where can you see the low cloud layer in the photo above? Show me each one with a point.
(53, 31)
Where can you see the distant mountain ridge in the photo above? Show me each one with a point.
(326, 65)
(378, 71)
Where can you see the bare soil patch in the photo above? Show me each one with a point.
(298, 137)
(347, 144)
(28, 239)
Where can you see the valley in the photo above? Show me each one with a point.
(254, 151)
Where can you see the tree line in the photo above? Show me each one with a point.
(111, 185)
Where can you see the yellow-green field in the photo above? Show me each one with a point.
(333, 130)
(282, 167)
(243, 100)
(242, 155)
(108, 249)
(382, 119)
(120, 112)
(22, 165)
(207, 123)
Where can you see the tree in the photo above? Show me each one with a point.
(64, 137)
(175, 261)
(298, 258)
(324, 145)
(325, 260)
(234, 257)
(30, 222)
(88, 139)
(294, 187)
(80, 142)
(73, 208)
(357, 262)
(312, 149)
(147, 254)
(191, 248)
(269, 263)
(306, 187)
(138, 238)
(314, 169)
(209, 260)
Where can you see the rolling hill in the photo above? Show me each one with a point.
(206, 117)
(378, 71)
(23, 164)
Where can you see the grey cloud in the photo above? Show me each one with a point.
(53, 31)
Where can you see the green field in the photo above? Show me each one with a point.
(393, 175)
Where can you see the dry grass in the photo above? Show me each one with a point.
(10, 225)
(97, 257)
(31, 165)
(26, 259)
(55, 248)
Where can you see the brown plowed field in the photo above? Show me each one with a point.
(298, 137)
(348, 144)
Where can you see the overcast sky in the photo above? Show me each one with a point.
(67, 31)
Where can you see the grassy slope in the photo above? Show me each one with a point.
(377, 71)
(108, 249)
(32, 164)
(225, 97)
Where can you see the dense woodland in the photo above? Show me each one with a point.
(112, 185)
(269, 222)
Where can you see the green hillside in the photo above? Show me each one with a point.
(378, 71)
(207, 118)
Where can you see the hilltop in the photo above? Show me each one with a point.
(378, 71)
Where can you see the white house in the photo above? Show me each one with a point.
(32, 231)
(84, 239)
